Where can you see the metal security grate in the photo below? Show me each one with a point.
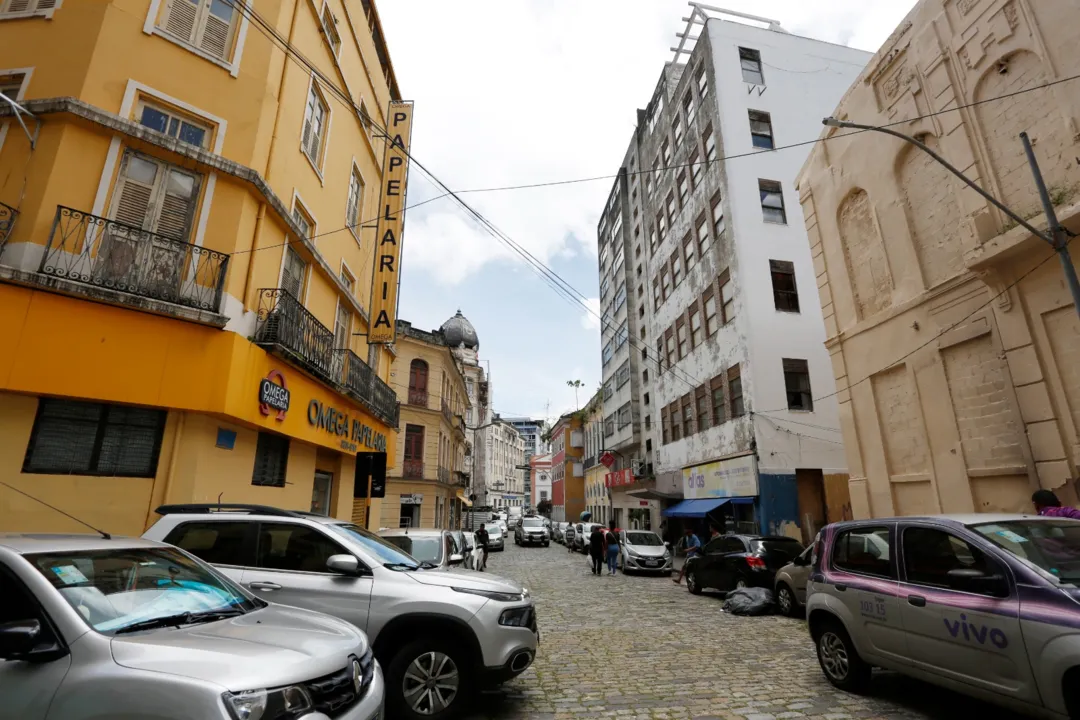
(81, 438)
(271, 460)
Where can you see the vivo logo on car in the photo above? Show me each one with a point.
(976, 633)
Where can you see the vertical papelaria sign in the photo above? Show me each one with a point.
(384, 287)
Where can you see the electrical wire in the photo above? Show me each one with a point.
(796, 422)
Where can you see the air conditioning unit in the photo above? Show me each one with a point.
(637, 466)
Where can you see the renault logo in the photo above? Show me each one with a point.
(357, 676)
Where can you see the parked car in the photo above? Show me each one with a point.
(503, 527)
(474, 554)
(582, 531)
(495, 538)
(728, 562)
(435, 549)
(94, 627)
(644, 551)
(790, 584)
(444, 632)
(987, 605)
(557, 532)
(530, 530)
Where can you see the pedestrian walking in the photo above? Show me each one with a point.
(692, 545)
(482, 540)
(612, 547)
(596, 548)
(1047, 503)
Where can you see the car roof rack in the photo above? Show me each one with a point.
(203, 508)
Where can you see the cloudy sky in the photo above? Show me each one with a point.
(511, 92)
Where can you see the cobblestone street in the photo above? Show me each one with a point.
(642, 648)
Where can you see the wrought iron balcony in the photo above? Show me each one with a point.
(88, 249)
(446, 413)
(418, 397)
(8, 216)
(363, 385)
(413, 469)
(286, 324)
(444, 475)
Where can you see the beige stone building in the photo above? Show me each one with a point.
(428, 486)
(954, 340)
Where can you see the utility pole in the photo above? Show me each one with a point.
(1056, 235)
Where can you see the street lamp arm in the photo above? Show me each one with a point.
(833, 122)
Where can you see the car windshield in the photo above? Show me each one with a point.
(386, 553)
(643, 538)
(1053, 545)
(112, 589)
(470, 539)
(532, 522)
(425, 548)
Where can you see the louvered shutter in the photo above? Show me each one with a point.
(215, 35)
(177, 204)
(18, 6)
(133, 197)
(292, 279)
(180, 18)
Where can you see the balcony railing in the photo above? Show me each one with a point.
(418, 397)
(287, 325)
(444, 475)
(446, 412)
(364, 385)
(88, 249)
(8, 216)
(413, 469)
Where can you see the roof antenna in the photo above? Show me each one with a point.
(103, 534)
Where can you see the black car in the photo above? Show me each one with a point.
(737, 561)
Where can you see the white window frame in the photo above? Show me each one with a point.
(313, 86)
(146, 100)
(335, 51)
(346, 270)
(298, 202)
(46, 13)
(20, 95)
(355, 228)
(150, 27)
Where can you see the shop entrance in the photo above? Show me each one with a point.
(409, 516)
(320, 492)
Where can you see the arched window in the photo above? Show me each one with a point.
(418, 378)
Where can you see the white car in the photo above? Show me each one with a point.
(503, 527)
(644, 551)
(987, 605)
(474, 555)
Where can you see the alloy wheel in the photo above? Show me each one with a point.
(834, 655)
(691, 581)
(431, 683)
(783, 598)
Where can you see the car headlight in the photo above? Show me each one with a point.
(493, 594)
(632, 553)
(516, 617)
(279, 704)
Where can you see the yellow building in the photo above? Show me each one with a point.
(596, 499)
(186, 258)
(428, 487)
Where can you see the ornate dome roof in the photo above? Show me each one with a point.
(459, 331)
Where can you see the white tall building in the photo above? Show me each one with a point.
(532, 432)
(505, 447)
(714, 351)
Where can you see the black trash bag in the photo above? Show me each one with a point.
(749, 601)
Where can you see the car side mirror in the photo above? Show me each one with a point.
(976, 581)
(800, 561)
(344, 564)
(456, 559)
(18, 639)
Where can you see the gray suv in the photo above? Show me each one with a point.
(440, 636)
(99, 627)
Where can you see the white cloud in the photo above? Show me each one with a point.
(531, 91)
(590, 320)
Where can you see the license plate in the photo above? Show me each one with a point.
(652, 563)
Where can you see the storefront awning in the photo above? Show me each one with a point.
(702, 507)
(464, 500)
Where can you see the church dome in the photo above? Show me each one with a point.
(459, 331)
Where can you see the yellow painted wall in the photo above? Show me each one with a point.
(391, 505)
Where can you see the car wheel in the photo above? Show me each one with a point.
(786, 600)
(840, 661)
(427, 679)
(692, 583)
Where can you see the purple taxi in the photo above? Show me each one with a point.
(987, 605)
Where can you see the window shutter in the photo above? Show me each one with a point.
(46, 4)
(18, 6)
(132, 203)
(177, 205)
(216, 34)
(292, 280)
(181, 18)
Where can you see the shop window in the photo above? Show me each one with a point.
(208, 25)
(271, 460)
(81, 438)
